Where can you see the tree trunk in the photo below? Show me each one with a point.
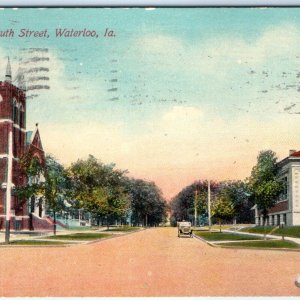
(54, 223)
(220, 223)
(264, 222)
(30, 222)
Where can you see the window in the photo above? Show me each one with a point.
(15, 111)
(22, 115)
(284, 219)
(284, 195)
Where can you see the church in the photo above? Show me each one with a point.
(15, 142)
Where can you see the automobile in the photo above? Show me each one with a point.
(184, 228)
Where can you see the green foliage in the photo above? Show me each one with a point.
(55, 185)
(183, 204)
(147, 203)
(264, 185)
(99, 188)
(33, 170)
(238, 193)
(222, 209)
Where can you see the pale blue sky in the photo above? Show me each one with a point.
(178, 94)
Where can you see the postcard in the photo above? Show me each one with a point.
(149, 152)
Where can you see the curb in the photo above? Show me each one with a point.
(72, 243)
(203, 240)
(113, 236)
(243, 248)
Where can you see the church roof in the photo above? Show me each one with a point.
(33, 138)
(297, 154)
(36, 140)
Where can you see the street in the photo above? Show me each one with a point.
(153, 262)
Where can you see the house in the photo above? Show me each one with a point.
(287, 208)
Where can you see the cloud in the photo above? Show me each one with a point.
(182, 112)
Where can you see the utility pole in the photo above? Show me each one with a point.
(195, 204)
(8, 188)
(208, 204)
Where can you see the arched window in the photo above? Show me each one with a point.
(15, 111)
(22, 116)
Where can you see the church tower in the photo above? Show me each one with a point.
(12, 148)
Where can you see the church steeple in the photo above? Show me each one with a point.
(8, 71)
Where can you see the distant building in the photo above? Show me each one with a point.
(14, 143)
(287, 208)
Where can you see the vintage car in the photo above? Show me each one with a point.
(184, 228)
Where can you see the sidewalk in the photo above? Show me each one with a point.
(271, 236)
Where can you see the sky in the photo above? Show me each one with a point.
(176, 95)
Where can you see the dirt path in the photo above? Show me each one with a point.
(153, 262)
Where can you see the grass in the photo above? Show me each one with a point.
(81, 228)
(80, 236)
(33, 242)
(220, 236)
(264, 244)
(293, 231)
(258, 229)
(289, 231)
(217, 227)
(123, 229)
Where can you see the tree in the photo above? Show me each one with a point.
(147, 203)
(222, 209)
(239, 194)
(99, 188)
(55, 187)
(264, 184)
(32, 188)
(183, 204)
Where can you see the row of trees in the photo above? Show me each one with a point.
(100, 189)
(232, 199)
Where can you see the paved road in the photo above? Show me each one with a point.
(153, 262)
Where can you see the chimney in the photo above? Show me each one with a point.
(291, 152)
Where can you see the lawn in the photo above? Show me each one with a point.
(225, 226)
(220, 236)
(293, 231)
(289, 231)
(84, 236)
(264, 244)
(258, 229)
(123, 229)
(34, 243)
(82, 228)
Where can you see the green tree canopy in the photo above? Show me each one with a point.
(238, 193)
(99, 188)
(222, 209)
(263, 183)
(183, 204)
(147, 203)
